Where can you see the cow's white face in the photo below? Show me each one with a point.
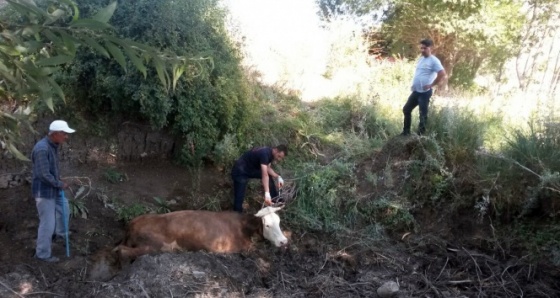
(271, 226)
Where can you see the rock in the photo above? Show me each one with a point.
(199, 275)
(16, 181)
(388, 289)
(11, 180)
(5, 180)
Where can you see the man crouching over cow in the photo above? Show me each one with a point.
(255, 164)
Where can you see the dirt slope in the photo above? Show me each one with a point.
(315, 265)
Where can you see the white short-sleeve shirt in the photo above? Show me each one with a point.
(426, 72)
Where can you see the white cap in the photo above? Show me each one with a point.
(60, 125)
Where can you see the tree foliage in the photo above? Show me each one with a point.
(203, 108)
(329, 8)
(469, 34)
(538, 54)
(39, 40)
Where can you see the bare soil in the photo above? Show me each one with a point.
(315, 265)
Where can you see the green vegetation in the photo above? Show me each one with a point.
(161, 206)
(461, 32)
(203, 110)
(114, 176)
(352, 174)
(78, 208)
(39, 40)
(127, 213)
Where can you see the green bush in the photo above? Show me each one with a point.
(161, 205)
(526, 172)
(538, 147)
(211, 100)
(460, 132)
(539, 239)
(322, 194)
(393, 212)
(429, 181)
(78, 208)
(114, 176)
(127, 213)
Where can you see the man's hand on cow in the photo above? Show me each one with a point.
(280, 182)
(267, 199)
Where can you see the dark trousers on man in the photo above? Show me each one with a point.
(240, 177)
(422, 100)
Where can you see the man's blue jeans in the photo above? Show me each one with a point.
(51, 222)
(240, 177)
(422, 100)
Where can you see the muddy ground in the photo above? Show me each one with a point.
(423, 264)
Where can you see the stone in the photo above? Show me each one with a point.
(199, 275)
(388, 289)
(5, 180)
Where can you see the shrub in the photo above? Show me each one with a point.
(78, 208)
(322, 193)
(127, 213)
(208, 104)
(460, 132)
(161, 206)
(393, 212)
(114, 176)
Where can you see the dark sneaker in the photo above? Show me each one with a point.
(405, 133)
(50, 259)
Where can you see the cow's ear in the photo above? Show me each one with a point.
(275, 209)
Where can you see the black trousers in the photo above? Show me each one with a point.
(240, 177)
(422, 100)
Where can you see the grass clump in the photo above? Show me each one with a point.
(127, 213)
(112, 175)
(322, 193)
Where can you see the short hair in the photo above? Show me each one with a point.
(427, 42)
(282, 148)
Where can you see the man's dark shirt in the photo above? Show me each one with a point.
(252, 160)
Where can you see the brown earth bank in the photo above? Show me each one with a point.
(316, 264)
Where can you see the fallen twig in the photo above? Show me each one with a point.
(444, 265)
(429, 284)
(458, 282)
(478, 272)
(42, 293)
(44, 278)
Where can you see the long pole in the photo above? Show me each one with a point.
(65, 219)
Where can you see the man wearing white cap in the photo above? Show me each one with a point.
(46, 188)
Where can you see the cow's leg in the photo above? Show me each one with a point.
(126, 252)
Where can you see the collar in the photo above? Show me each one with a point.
(51, 143)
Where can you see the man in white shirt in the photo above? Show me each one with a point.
(429, 72)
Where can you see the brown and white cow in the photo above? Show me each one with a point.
(192, 230)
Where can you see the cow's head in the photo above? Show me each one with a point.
(271, 226)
